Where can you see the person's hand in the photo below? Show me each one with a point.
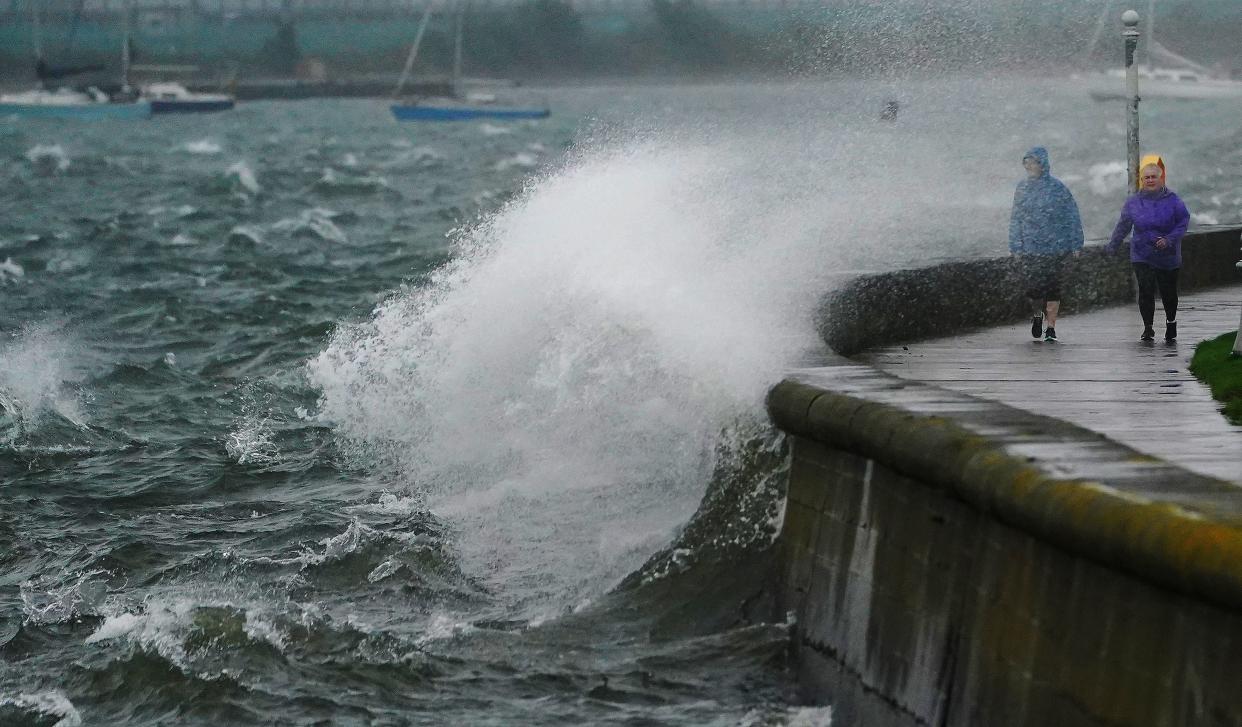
(1161, 243)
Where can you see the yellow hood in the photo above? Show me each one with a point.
(1149, 159)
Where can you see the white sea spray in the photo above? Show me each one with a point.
(36, 377)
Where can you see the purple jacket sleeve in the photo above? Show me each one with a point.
(1182, 217)
(1124, 224)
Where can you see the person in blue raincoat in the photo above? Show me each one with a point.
(1044, 229)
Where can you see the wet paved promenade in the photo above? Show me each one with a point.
(1099, 376)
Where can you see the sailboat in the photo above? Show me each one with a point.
(458, 106)
(1178, 77)
(91, 103)
(171, 97)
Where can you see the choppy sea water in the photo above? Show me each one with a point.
(311, 417)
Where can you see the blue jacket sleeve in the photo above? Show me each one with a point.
(1121, 229)
(1015, 223)
(1073, 221)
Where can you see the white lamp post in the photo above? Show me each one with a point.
(1130, 19)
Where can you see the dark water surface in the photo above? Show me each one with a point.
(309, 417)
(183, 540)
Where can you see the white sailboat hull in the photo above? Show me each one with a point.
(1107, 88)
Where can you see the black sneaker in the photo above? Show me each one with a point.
(1170, 331)
(1148, 334)
(1050, 335)
(1037, 326)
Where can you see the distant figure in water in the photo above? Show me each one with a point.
(1159, 219)
(1044, 230)
(889, 112)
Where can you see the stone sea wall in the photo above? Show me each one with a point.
(895, 307)
(937, 576)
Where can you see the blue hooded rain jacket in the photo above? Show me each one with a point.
(1045, 218)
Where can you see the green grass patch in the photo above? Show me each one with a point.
(1213, 365)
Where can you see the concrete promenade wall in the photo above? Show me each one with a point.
(942, 569)
(906, 305)
(936, 577)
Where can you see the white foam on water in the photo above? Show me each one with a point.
(244, 176)
(114, 627)
(521, 160)
(421, 156)
(60, 599)
(316, 222)
(250, 441)
(164, 624)
(204, 147)
(384, 570)
(392, 504)
(159, 625)
(10, 271)
(443, 627)
(261, 629)
(48, 158)
(52, 702)
(487, 129)
(246, 234)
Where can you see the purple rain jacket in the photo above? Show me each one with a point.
(1152, 215)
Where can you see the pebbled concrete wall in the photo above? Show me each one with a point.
(936, 576)
(888, 308)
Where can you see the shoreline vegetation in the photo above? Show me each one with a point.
(550, 40)
(1213, 365)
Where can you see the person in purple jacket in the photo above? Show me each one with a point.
(1159, 220)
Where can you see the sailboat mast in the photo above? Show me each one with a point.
(38, 29)
(127, 9)
(461, 15)
(1151, 34)
(1099, 30)
(418, 41)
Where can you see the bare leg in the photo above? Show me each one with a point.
(1051, 317)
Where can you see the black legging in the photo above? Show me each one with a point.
(1149, 281)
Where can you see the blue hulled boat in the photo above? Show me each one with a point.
(458, 107)
(462, 111)
(173, 98)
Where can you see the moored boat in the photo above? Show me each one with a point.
(174, 98)
(1171, 83)
(450, 109)
(458, 106)
(67, 104)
